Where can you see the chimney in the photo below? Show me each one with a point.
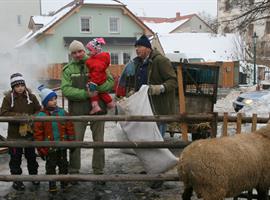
(178, 15)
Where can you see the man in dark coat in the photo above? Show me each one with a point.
(155, 70)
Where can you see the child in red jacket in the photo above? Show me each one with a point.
(53, 131)
(97, 64)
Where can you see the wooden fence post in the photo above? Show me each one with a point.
(182, 105)
(238, 123)
(225, 125)
(254, 122)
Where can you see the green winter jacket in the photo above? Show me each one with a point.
(73, 85)
(160, 71)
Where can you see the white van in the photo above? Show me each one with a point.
(181, 57)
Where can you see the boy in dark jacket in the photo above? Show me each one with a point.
(53, 131)
(17, 102)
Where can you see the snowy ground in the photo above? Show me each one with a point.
(116, 163)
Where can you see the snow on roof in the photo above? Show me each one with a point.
(42, 19)
(46, 25)
(48, 21)
(165, 27)
(211, 47)
(109, 2)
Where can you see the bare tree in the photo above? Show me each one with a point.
(251, 11)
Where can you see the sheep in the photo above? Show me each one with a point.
(224, 167)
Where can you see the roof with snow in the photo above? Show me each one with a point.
(211, 47)
(165, 27)
(47, 22)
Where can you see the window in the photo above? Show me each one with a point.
(19, 19)
(114, 58)
(267, 28)
(114, 25)
(86, 24)
(126, 58)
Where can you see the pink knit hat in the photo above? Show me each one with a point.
(94, 46)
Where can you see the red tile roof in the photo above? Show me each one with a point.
(163, 19)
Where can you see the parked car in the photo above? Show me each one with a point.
(248, 98)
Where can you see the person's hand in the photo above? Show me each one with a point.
(43, 152)
(92, 86)
(156, 89)
(91, 93)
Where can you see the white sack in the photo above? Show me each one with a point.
(154, 160)
(122, 136)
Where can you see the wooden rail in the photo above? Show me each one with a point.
(87, 177)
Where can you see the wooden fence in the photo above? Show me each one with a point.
(181, 118)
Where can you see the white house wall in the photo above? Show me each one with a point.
(194, 25)
(54, 44)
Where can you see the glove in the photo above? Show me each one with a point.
(23, 129)
(43, 152)
(92, 86)
(156, 89)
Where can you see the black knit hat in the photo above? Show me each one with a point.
(16, 79)
(143, 41)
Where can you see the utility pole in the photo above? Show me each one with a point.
(254, 57)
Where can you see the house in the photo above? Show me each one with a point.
(179, 24)
(84, 20)
(14, 17)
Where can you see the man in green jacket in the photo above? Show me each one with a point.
(73, 86)
(155, 70)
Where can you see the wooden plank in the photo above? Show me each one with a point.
(238, 123)
(225, 125)
(182, 106)
(254, 122)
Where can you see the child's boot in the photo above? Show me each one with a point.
(95, 107)
(18, 185)
(52, 187)
(64, 185)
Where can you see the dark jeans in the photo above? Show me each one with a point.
(16, 160)
(57, 157)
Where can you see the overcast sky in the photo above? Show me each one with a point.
(152, 8)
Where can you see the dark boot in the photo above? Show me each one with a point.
(52, 187)
(18, 185)
(64, 185)
(156, 184)
(36, 183)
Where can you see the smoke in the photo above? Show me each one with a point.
(29, 60)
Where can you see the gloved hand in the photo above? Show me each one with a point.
(43, 152)
(23, 129)
(156, 89)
